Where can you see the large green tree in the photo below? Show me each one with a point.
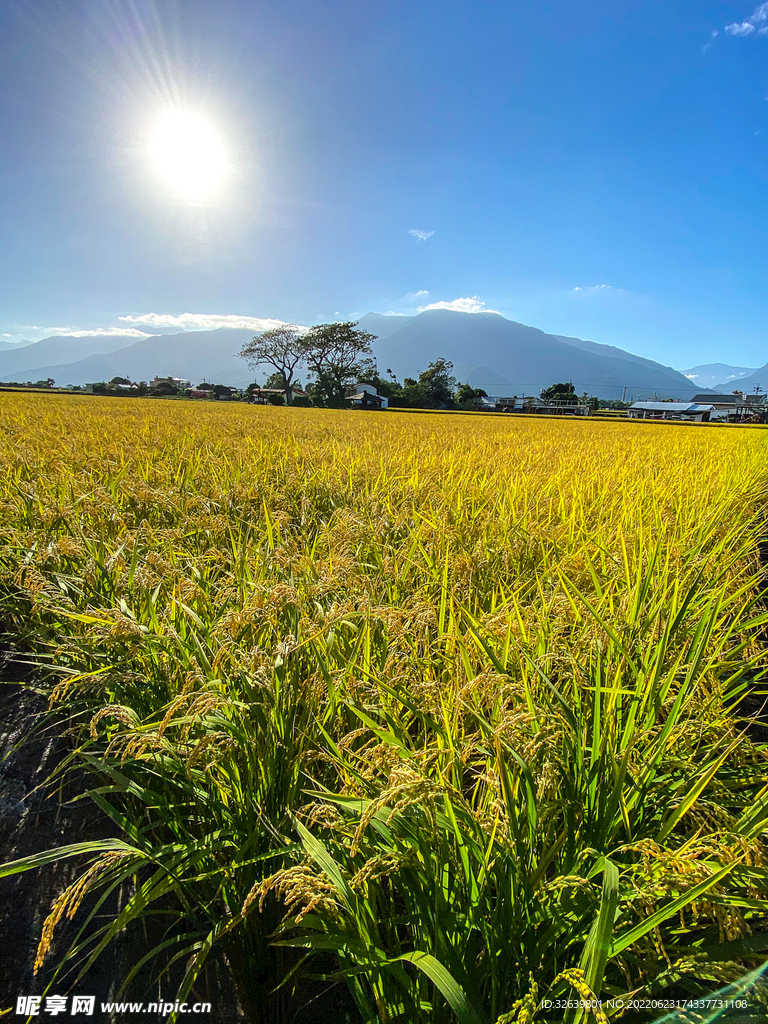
(333, 353)
(470, 398)
(281, 348)
(437, 384)
(435, 388)
(559, 393)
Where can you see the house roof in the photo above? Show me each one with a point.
(280, 391)
(693, 407)
(720, 399)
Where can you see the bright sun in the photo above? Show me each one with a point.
(188, 154)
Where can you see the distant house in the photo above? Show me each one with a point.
(365, 396)
(174, 382)
(690, 411)
(731, 408)
(261, 396)
(532, 404)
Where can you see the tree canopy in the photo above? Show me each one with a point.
(468, 397)
(282, 348)
(559, 392)
(333, 354)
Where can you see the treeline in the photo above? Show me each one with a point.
(124, 387)
(435, 388)
(339, 357)
(49, 382)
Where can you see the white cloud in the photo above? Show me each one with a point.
(746, 28)
(419, 235)
(597, 288)
(96, 332)
(417, 295)
(203, 321)
(29, 333)
(472, 304)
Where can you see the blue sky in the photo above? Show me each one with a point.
(592, 169)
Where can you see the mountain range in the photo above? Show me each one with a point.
(756, 379)
(196, 355)
(55, 350)
(504, 357)
(718, 375)
(487, 350)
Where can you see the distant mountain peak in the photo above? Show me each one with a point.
(516, 357)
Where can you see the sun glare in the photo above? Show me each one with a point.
(188, 154)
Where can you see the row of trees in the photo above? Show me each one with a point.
(123, 387)
(435, 388)
(334, 354)
(339, 356)
(49, 382)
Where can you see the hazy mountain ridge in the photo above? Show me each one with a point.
(196, 355)
(718, 375)
(489, 351)
(756, 378)
(56, 350)
(612, 352)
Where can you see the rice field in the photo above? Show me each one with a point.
(449, 710)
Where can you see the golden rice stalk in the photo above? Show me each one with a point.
(68, 902)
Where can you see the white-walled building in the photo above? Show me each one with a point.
(691, 411)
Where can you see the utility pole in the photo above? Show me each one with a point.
(624, 395)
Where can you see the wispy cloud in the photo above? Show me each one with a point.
(596, 288)
(753, 24)
(147, 325)
(97, 332)
(35, 332)
(202, 321)
(419, 235)
(472, 304)
(417, 295)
